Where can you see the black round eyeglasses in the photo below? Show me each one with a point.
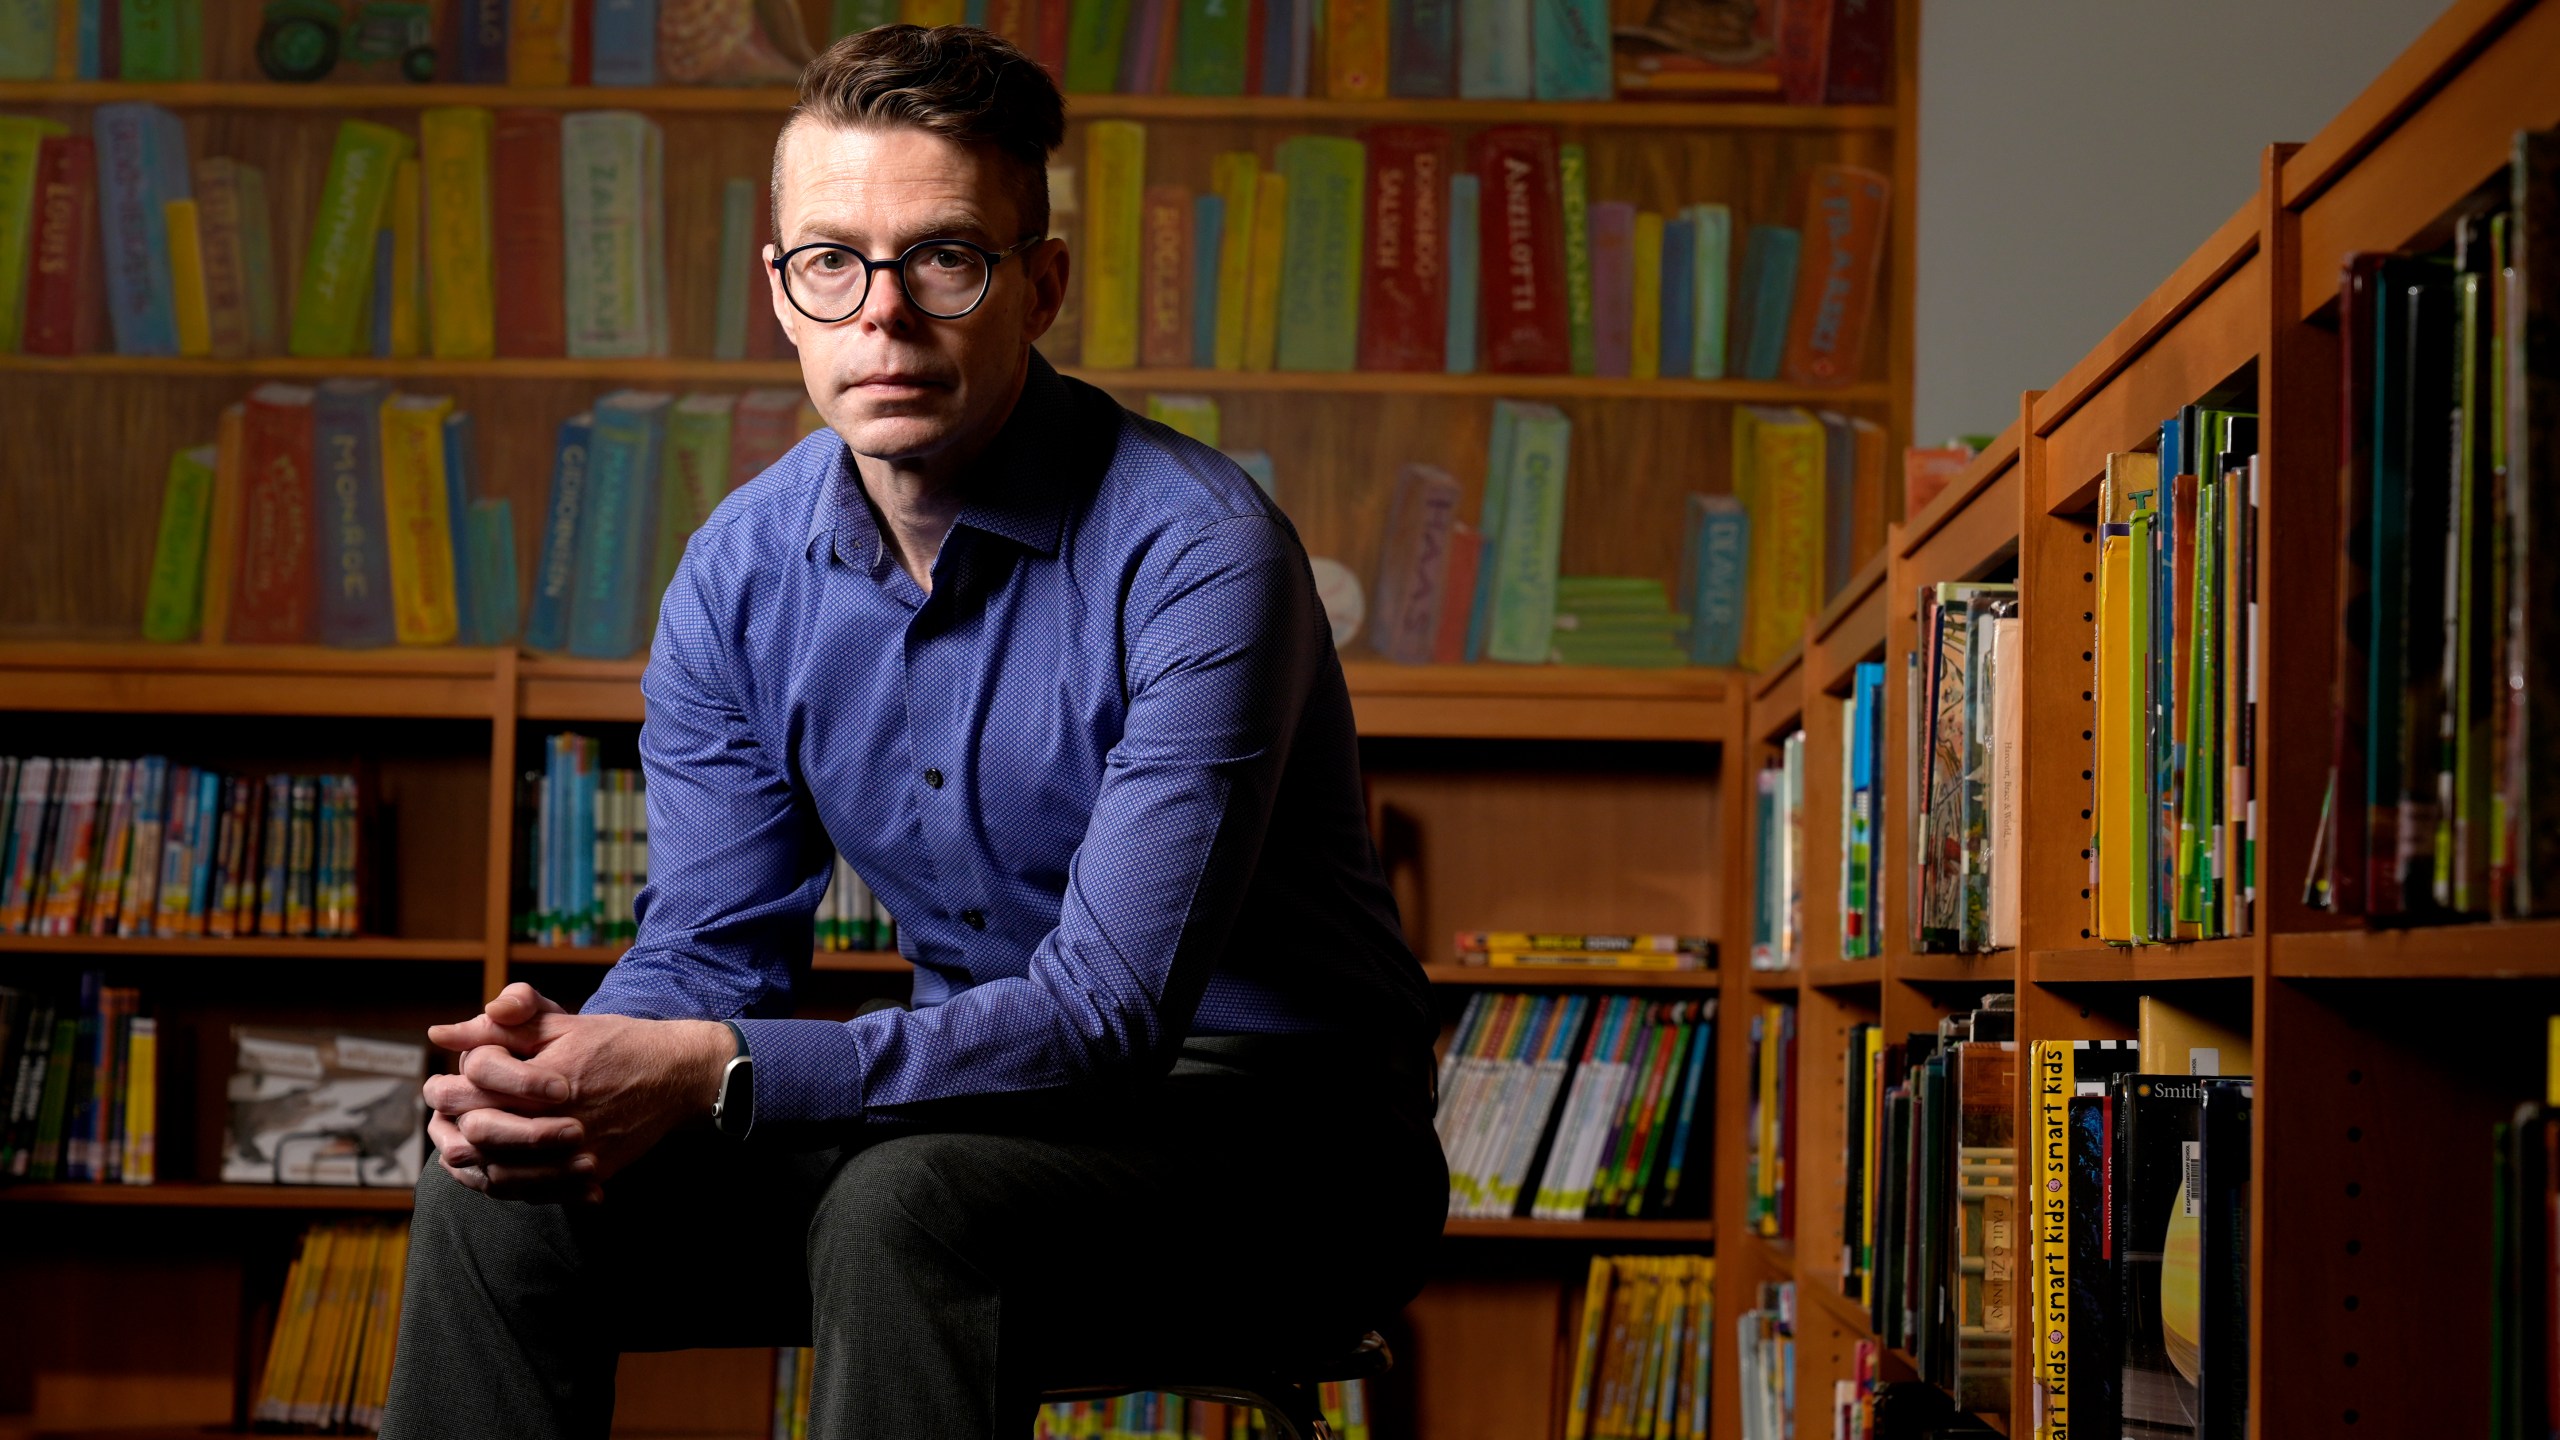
(945, 279)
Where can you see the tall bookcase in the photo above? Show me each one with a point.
(2383, 1056)
(1503, 796)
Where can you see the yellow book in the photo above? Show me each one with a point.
(355, 1296)
(1586, 1349)
(1766, 1138)
(186, 279)
(930, 13)
(1115, 180)
(2051, 1251)
(1644, 336)
(371, 1383)
(1589, 959)
(66, 39)
(222, 537)
(453, 154)
(2120, 805)
(401, 218)
(1778, 472)
(2551, 1064)
(142, 1102)
(1262, 272)
(1867, 1137)
(539, 41)
(2178, 1041)
(417, 530)
(1234, 176)
(292, 1342)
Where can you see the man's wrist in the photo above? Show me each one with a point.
(715, 1044)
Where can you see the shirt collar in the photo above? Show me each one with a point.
(1024, 485)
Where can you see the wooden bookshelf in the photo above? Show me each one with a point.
(352, 950)
(184, 1195)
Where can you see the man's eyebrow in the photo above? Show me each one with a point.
(957, 225)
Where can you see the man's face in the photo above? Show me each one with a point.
(896, 383)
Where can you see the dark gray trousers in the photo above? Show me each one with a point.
(1269, 1196)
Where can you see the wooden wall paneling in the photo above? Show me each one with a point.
(1483, 1358)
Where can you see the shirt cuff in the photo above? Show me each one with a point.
(807, 1071)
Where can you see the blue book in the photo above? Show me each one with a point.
(1493, 50)
(1569, 40)
(618, 539)
(1767, 299)
(1208, 232)
(974, 12)
(481, 40)
(1422, 49)
(1714, 553)
(1679, 317)
(207, 828)
(382, 267)
(133, 228)
(351, 565)
(1462, 275)
(457, 514)
(625, 42)
(490, 532)
(93, 39)
(1279, 32)
(555, 565)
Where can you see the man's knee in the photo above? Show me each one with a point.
(904, 1198)
(450, 1220)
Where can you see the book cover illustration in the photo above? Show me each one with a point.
(324, 1107)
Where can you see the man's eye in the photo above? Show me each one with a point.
(832, 260)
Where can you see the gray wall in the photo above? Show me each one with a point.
(2072, 152)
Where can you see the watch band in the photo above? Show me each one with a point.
(733, 1109)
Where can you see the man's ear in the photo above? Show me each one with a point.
(1048, 266)
(783, 310)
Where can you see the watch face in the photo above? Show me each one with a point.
(734, 1111)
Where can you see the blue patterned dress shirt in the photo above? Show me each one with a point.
(1104, 775)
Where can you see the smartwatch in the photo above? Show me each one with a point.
(733, 1110)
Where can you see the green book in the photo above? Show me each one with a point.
(1208, 58)
(1710, 278)
(740, 286)
(151, 38)
(852, 17)
(172, 610)
(1527, 547)
(55, 1100)
(336, 298)
(1587, 593)
(1095, 30)
(491, 542)
(696, 473)
(22, 140)
(1320, 252)
(1573, 180)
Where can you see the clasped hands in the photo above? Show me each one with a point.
(546, 1105)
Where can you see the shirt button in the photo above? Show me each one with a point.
(933, 778)
(974, 919)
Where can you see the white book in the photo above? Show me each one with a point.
(1489, 1090)
(1548, 1203)
(1545, 1085)
(1511, 1109)
(614, 233)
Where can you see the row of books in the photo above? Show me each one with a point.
(142, 847)
(1968, 689)
(133, 40)
(1511, 949)
(585, 846)
(1769, 1159)
(1765, 1362)
(1378, 252)
(2175, 685)
(329, 1358)
(1161, 1415)
(1566, 1106)
(82, 1077)
(851, 917)
(1641, 1366)
(1777, 858)
(2447, 683)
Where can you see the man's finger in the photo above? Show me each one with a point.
(499, 1129)
(455, 1153)
(501, 1074)
(521, 1004)
(454, 1094)
(541, 1184)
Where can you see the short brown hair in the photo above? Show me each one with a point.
(956, 81)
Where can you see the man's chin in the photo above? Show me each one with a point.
(897, 437)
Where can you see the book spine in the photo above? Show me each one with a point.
(624, 46)
(1164, 339)
(541, 42)
(1710, 275)
(604, 185)
(480, 32)
(555, 575)
(1493, 53)
(1572, 187)
(27, 39)
(1234, 175)
(1846, 210)
(257, 261)
(454, 146)
(1860, 71)
(223, 261)
(1768, 291)
(460, 466)
(62, 289)
(1530, 541)
(22, 166)
(1715, 624)
(529, 276)
(172, 606)
(1355, 45)
(610, 548)
(1522, 279)
(1405, 285)
(1096, 31)
(337, 265)
(1613, 281)
(1464, 285)
(1679, 312)
(417, 528)
(698, 442)
(349, 557)
(1413, 565)
(1208, 221)
(134, 228)
(1262, 287)
(1422, 49)
(1569, 41)
(1115, 181)
(147, 38)
(1209, 54)
(1319, 319)
(492, 550)
(407, 224)
(741, 284)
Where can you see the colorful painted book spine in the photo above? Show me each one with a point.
(1763, 302)
(1115, 186)
(1572, 186)
(1644, 305)
(187, 305)
(529, 266)
(1493, 53)
(1262, 285)
(350, 559)
(1422, 49)
(1234, 174)
(1613, 238)
(417, 526)
(741, 286)
(1522, 249)
(491, 528)
(615, 276)
(1413, 564)
(1277, 42)
(27, 39)
(64, 301)
(1404, 292)
(337, 265)
(223, 257)
(617, 537)
(22, 144)
(1679, 304)
(461, 466)
(480, 34)
(1209, 55)
(272, 589)
(624, 43)
(1710, 273)
(1465, 287)
(1528, 535)
(405, 223)
(1458, 594)
(1208, 254)
(1144, 55)
(696, 472)
(461, 296)
(151, 45)
(555, 572)
(1569, 41)
(541, 42)
(1779, 476)
(132, 142)
(1319, 325)
(1355, 49)
(1712, 569)
(172, 608)
(1846, 210)
(1164, 277)
(1095, 35)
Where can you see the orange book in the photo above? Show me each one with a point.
(1164, 278)
(1845, 211)
(1355, 49)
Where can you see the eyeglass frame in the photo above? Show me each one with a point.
(871, 267)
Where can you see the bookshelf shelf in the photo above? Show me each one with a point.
(1569, 977)
(365, 948)
(196, 1195)
(1999, 969)
(2524, 949)
(1843, 1311)
(776, 100)
(446, 683)
(2233, 959)
(682, 370)
(1843, 974)
(1685, 1232)
(1774, 982)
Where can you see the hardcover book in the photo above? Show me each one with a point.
(453, 151)
(1710, 271)
(1778, 473)
(2158, 1231)
(272, 589)
(1208, 257)
(615, 605)
(350, 559)
(555, 567)
(417, 521)
(141, 167)
(1846, 210)
(1570, 43)
(1713, 564)
(696, 473)
(22, 144)
(1113, 219)
(1493, 51)
(1209, 53)
(765, 426)
(223, 256)
(324, 1107)
(1764, 299)
(1165, 279)
(1521, 252)
(171, 609)
(1413, 564)
(1319, 320)
(1355, 49)
(624, 42)
(1572, 181)
(615, 232)
(528, 277)
(1422, 53)
(1405, 284)
(1465, 269)
(66, 302)
(337, 262)
(1613, 279)
(1524, 520)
